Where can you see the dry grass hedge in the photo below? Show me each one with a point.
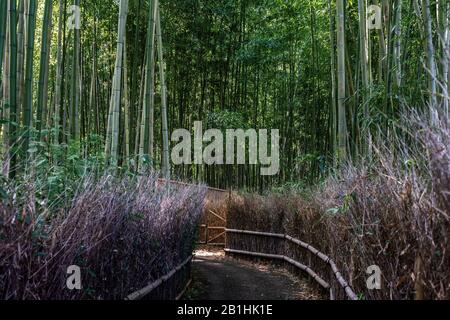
(123, 233)
(393, 213)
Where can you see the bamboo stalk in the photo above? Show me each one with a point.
(3, 19)
(116, 93)
(148, 73)
(342, 126)
(43, 69)
(165, 128)
(126, 104)
(59, 66)
(13, 88)
(28, 92)
(75, 84)
(431, 63)
(20, 56)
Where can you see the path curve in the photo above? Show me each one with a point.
(228, 279)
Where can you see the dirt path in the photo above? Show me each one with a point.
(226, 279)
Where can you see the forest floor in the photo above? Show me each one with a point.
(216, 277)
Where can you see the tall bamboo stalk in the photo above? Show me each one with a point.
(75, 86)
(59, 67)
(333, 125)
(365, 69)
(398, 44)
(5, 87)
(164, 125)
(43, 69)
(139, 146)
(3, 24)
(342, 121)
(431, 63)
(13, 89)
(28, 93)
(126, 98)
(3, 19)
(20, 55)
(147, 115)
(93, 100)
(116, 93)
(147, 125)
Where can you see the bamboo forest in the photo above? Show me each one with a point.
(137, 134)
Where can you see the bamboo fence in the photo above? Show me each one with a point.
(335, 271)
(158, 284)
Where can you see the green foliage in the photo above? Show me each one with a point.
(226, 120)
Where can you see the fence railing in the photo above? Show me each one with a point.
(340, 279)
(140, 294)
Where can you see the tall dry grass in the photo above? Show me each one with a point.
(122, 233)
(392, 211)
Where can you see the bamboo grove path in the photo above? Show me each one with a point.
(227, 279)
(219, 277)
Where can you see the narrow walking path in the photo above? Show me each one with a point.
(227, 279)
